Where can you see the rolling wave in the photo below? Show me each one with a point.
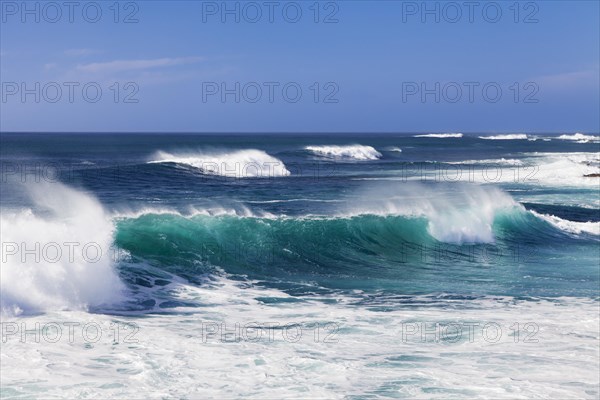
(499, 161)
(580, 138)
(591, 227)
(248, 163)
(358, 246)
(394, 149)
(383, 228)
(348, 152)
(514, 136)
(440, 135)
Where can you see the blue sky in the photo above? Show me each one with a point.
(371, 62)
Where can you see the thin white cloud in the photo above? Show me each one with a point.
(50, 65)
(80, 52)
(129, 65)
(568, 79)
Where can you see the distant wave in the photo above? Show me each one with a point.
(248, 163)
(394, 149)
(499, 161)
(513, 136)
(580, 138)
(564, 169)
(352, 152)
(545, 169)
(441, 135)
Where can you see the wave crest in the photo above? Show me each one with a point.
(513, 136)
(570, 226)
(353, 152)
(455, 213)
(440, 135)
(580, 138)
(249, 163)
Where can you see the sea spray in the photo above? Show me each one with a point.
(56, 255)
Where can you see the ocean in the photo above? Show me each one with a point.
(300, 266)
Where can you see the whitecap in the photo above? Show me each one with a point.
(351, 152)
(249, 163)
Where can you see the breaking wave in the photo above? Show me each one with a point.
(580, 138)
(58, 254)
(248, 163)
(440, 135)
(514, 136)
(349, 152)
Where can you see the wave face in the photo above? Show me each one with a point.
(233, 164)
(398, 253)
(58, 255)
(349, 152)
(515, 136)
(441, 135)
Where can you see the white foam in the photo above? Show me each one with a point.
(565, 169)
(498, 161)
(537, 169)
(513, 136)
(352, 152)
(570, 226)
(441, 135)
(248, 163)
(57, 256)
(580, 138)
(238, 210)
(358, 350)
